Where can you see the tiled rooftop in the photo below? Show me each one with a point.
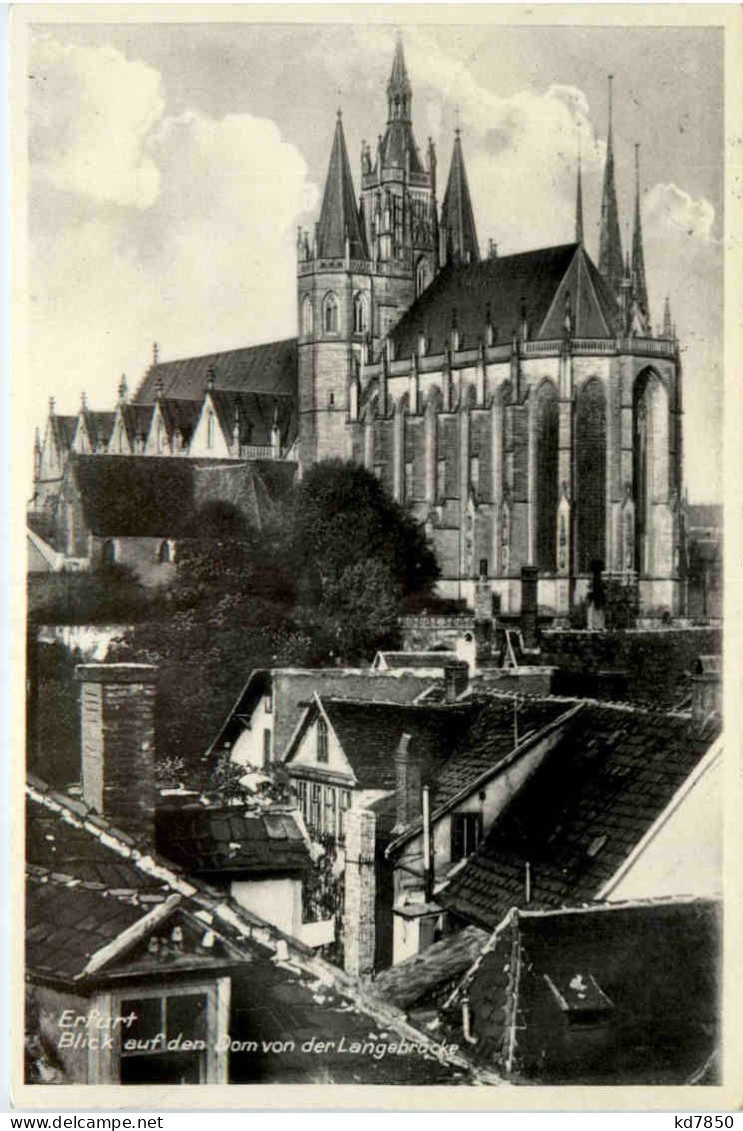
(581, 813)
(230, 841)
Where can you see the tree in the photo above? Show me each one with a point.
(343, 519)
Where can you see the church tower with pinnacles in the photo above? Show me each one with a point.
(520, 406)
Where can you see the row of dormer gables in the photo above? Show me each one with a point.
(224, 425)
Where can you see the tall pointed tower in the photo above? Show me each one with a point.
(398, 204)
(458, 234)
(638, 254)
(610, 245)
(362, 268)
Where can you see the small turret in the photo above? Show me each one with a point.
(579, 201)
(640, 289)
(610, 244)
(123, 390)
(668, 330)
(459, 237)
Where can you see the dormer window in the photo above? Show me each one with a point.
(322, 740)
(330, 314)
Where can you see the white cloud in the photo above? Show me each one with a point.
(208, 264)
(93, 114)
(669, 210)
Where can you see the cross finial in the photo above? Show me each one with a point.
(155, 353)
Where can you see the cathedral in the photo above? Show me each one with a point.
(521, 406)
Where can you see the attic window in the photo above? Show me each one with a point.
(466, 834)
(322, 740)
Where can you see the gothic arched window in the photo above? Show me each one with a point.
(210, 429)
(307, 318)
(421, 276)
(330, 314)
(322, 740)
(651, 462)
(590, 475)
(360, 321)
(547, 430)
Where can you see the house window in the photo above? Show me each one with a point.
(109, 552)
(210, 429)
(344, 804)
(330, 314)
(302, 799)
(266, 747)
(466, 833)
(441, 479)
(196, 1012)
(330, 812)
(158, 1021)
(322, 740)
(307, 318)
(315, 815)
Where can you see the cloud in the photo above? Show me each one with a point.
(669, 210)
(206, 261)
(94, 111)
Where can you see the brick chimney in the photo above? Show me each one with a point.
(529, 582)
(408, 782)
(360, 893)
(117, 705)
(706, 695)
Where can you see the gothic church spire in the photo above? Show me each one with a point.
(610, 244)
(638, 255)
(399, 90)
(457, 217)
(339, 217)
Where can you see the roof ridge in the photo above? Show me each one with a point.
(221, 353)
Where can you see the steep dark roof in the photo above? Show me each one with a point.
(409, 982)
(256, 414)
(53, 843)
(178, 415)
(137, 419)
(63, 428)
(651, 965)
(339, 216)
(267, 368)
(146, 496)
(231, 841)
(99, 425)
(581, 813)
(370, 734)
(457, 216)
(66, 924)
(502, 724)
(536, 282)
(293, 689)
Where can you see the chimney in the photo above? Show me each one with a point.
(408, 780)
(360, 893)
(529, 581)
(457, 672)
(706, 695)
(117, 703)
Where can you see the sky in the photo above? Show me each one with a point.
(170, 165)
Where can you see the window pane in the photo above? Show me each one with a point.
(187, 1015)
(149, 1018)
